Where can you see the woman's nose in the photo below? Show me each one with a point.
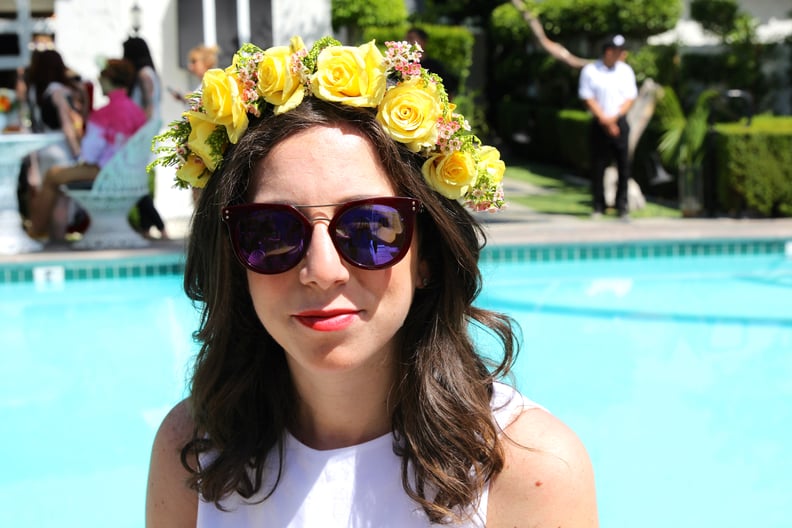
(322, 265)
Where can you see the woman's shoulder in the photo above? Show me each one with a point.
(547, 477)
(147, 72)
(508, 404)
(178, 423)
(169, 501)
(55, 87)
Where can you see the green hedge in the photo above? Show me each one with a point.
(754, 166)
(573, 135)
(554, 136)
(538, 122)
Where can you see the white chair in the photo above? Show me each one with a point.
(116, 189)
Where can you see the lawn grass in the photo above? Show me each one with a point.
(560, 195)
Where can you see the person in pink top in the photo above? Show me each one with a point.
(107, 130)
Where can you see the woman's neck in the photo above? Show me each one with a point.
(341, 410)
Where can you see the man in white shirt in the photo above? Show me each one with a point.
(608, 88)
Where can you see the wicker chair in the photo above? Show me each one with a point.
(116, 189)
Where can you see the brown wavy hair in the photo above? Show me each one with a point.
(242, 397)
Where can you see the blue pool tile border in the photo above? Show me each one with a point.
(173, 263)
(87, 269)
(634, 250)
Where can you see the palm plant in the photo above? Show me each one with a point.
(682, 143)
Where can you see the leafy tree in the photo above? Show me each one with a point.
(717, 16)
(725, 19)
(471, 12)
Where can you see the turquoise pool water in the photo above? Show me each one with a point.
(674, 371)
(677, 374)
(89, 368)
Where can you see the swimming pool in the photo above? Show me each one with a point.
(676, 374)
(89, 368)
(673, 369)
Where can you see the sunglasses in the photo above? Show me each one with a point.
(370, 234)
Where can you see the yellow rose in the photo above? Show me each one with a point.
(450, 174)
(410, 112)
(277, 84)
(223, 102)
(490, 162)
(193, 172)
(353, 76)
(198, 141)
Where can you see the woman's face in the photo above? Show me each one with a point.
(196, 64)
(328, 315)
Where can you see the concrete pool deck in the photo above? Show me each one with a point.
(516, 227)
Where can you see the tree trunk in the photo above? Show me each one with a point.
(553, 48)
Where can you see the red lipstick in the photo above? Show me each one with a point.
(327, 320)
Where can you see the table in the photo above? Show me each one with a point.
(14, 146)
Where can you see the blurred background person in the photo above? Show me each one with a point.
(146, 93)
(608, 89)
(199, 59)
(57, 102)
(107, 130)
(146, 89)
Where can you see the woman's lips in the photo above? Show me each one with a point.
(327, 320)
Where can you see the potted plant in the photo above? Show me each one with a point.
(682, 143)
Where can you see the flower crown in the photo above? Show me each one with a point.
(412, 106)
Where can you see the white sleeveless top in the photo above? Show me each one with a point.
(358, 486)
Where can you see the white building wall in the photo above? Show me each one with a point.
(309, 19)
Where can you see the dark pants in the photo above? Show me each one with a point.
(604, 148)
(149, 216)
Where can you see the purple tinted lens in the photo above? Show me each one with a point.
(271, 241)
(372, 235)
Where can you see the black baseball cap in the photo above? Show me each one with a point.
(614, 41)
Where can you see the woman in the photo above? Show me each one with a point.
(337, 383)
(146, 92)
(202, 58)
(57, 103)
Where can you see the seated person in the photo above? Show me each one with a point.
(107, 130)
